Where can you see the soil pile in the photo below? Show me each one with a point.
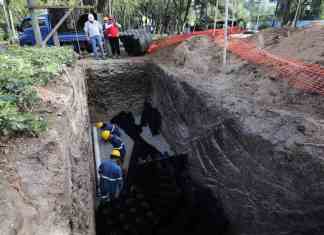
(200, 59)
(273, 36)
(306, 45)
(254, 141)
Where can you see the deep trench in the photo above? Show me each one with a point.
(159, 196)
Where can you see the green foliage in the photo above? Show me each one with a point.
(21, 69)
(13, 122)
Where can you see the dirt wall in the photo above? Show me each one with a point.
(253, 141)
(47, 183)
(117, 85)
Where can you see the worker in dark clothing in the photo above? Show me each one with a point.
(111, 176)
(116, 142)
(109, 127)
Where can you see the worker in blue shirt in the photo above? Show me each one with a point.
(109, 127)
(116, 142)
(111, 176)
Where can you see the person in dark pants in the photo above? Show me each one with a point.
(112, 33)
(111, 176)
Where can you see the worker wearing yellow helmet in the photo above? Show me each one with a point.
(115, 141)
(111, 176)
(115, 153)
(109, 127)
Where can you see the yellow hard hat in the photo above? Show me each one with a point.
(105, 18)
(115, 153)
(105, 135)
(99, 124)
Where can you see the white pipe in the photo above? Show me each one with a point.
(96, 151)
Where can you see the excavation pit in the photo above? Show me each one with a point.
(159, 196)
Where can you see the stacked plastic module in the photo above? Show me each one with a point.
(158, 197)
(145, 206)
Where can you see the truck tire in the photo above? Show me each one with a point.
(136, 42)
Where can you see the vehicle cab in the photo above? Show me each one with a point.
(26, 34)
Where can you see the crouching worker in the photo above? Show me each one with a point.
(111, 176)
(115, 141)
(109, 127)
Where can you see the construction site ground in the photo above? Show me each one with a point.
(200, 59)
(299, 44)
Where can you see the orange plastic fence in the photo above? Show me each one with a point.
(303, 76)
(172, 40)
(307, 77)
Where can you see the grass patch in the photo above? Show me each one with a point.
(21, 69)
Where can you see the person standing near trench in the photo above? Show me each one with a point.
(93, 31)
(112, 33)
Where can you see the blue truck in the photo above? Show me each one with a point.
(70, 33)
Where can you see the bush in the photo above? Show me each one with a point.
(20, 70)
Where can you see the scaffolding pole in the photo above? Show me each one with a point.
(225, 33)
(215, 19)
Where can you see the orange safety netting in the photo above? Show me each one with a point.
(308, 77)
(172, 40)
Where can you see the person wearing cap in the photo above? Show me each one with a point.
(94, 32)
(112, 33)
(116, 142)
(111, 176)
(109, 127)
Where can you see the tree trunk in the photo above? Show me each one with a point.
(185, 18)
(296, 14)
(35, 24)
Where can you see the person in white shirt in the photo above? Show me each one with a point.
(93, 30)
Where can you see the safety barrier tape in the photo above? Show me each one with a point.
(309, 78)
(175, 39)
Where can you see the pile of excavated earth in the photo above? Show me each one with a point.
(255, 141)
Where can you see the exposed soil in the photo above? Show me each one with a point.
(47, 181)
(116, 85)
(301, 44)
(273, 36)
(200, 59)
(253, 140)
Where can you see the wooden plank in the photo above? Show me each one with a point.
(56, 27)
(96, 151)
(56, 39)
